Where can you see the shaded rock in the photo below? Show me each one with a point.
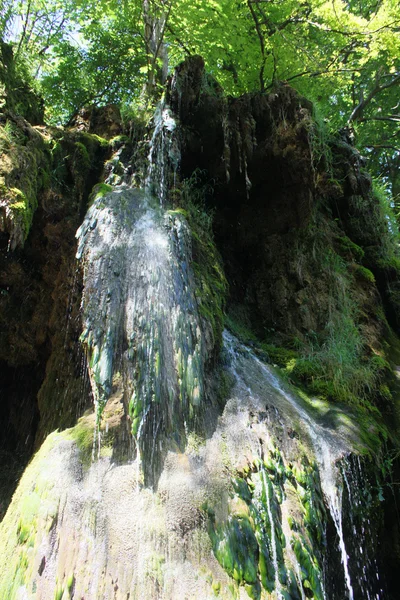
(104, 121)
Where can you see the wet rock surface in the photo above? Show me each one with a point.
(47, 174)
(241, 505)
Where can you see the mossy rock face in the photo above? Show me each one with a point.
(304, 237)
(211, 284)
(37, 166)
(24, 173)
(98, 191)
(251, 546)
(236, 549)
(103, 121)
(250, 516)
(45, 177)
(365, 275)
(349, 249)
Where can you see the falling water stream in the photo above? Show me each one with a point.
(164, 154)
(329, 448)
(273, 535)
(140, 314)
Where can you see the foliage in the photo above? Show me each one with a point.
(6, 136)
(338, 363)
(343, 55)
(387, 209)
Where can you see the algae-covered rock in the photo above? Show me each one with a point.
(204, 531)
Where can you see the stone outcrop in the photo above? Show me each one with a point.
(314, 276)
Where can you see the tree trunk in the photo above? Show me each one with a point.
(155, 22)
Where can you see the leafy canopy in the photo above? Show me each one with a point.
(343, 55)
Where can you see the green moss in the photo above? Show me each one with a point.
(58, 593)
(237, 320)
(44, 178)
(241, 488)
(83, 434)
(379, 364)
(26, 529)
(155, 568)
(178, 211)
(364, 274)
(78, 154)
(118, 141)
(98, 191)
(194, 442)
(279, 356)
(374, 225)
(81, 158)
(103, 143)
(250, 510)
(32, 509)
(21, 208)
(236, 549)
(253, 591)
(34, 162)
(23, 171)
(385, 393)
(388, 262)
(70, 582)
(310, 570)
(135, 412)
(211, 284)
(216, 587)
(349, 249)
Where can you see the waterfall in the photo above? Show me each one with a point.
(328, 450)
(329, 447)
(232, 499)
(358, 501)
(266, 488)
(164, 153)
(240, 511)
(143, 332)
(140, 314)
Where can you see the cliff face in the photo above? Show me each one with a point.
(46, 175)
(305, 238)
(279, 183)
(240, 506)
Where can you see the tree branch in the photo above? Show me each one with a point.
(391, 118)
(262, 44)
(351, 33)
(357, 113)
(383, 147)
(25, 26)
(51, 36)
(178, 40)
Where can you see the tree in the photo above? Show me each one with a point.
(341, 54)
